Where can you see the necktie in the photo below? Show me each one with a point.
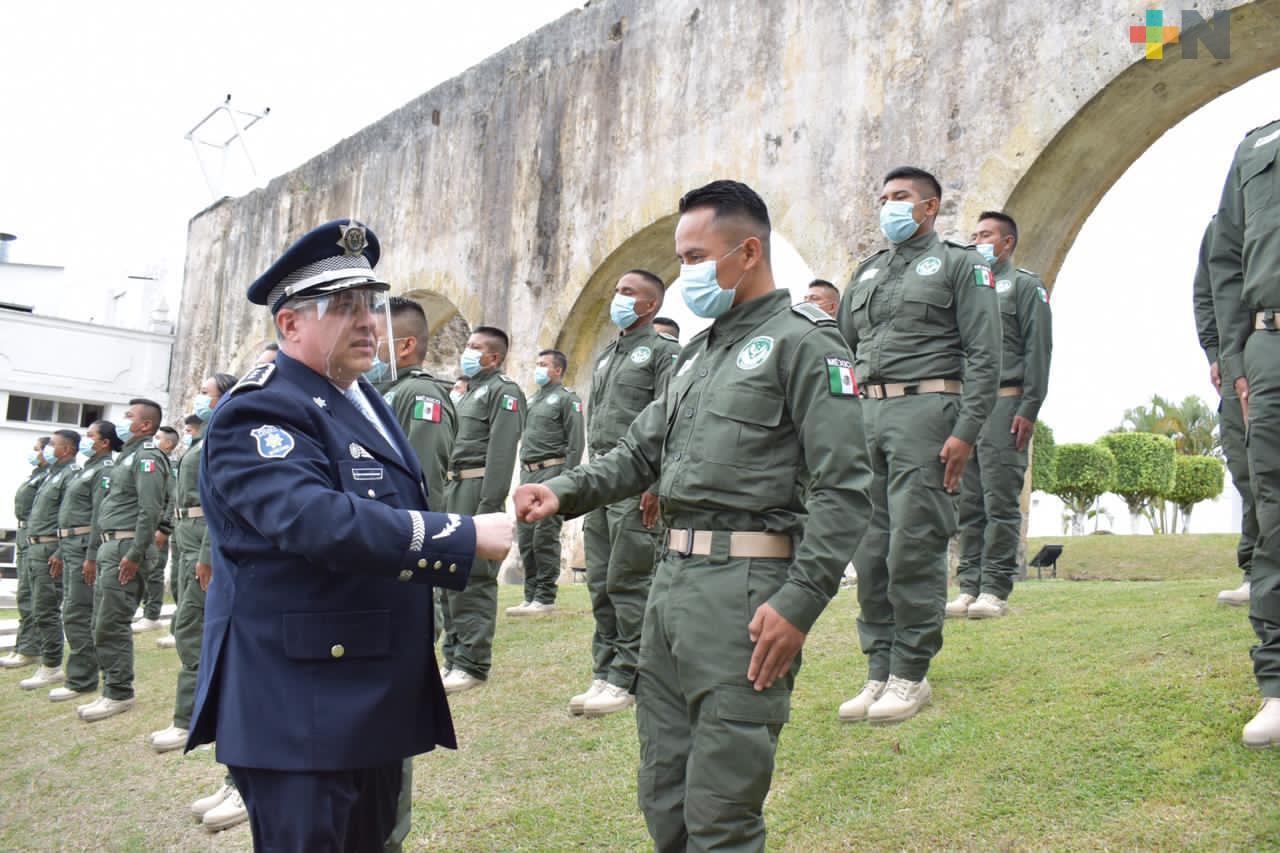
(357, 398)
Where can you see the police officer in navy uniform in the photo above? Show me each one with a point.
(317, 677)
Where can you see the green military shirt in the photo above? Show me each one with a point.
(137, 490)
(759, 430)
(186, 488)
(26, 494)
(490, 419)
(83, 493)
(426, 414)
(630, 373)
(1202, 300)
(553, 428)
(1244, 255)
(167, 519)
(927, 309)
(43, 520)
(1027, 335)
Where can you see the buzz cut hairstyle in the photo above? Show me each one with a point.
(1007, 225)
(558, 358)
(271, 346)
(731, 199)
(499, 337)
(650, 277)
(69, 435)
(919, 177)
(404, 307)
(192, 420)
(169, 431)
(822, 282)
(43, 441)
(152, 404)
(667, 321)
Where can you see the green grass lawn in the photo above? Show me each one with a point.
(1099, 715)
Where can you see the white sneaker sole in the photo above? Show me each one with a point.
(980, 615)
(899, 718)
(1229, 603)
(593, 713)
(226, 823)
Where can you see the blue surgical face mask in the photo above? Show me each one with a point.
(541, 376)
(48, 454)
(124, 429)
(988, 252)
(470, 361)
(202, 407)
(377, 371)
(896, 220)
(33, 458)
(187, 438)
(702, 291)
(86, 446)
(455, 396)
(622, 311)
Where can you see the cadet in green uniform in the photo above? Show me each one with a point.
(153, 583)
(26, 649)
(551, 444)
(124, 526)
(618, 546)
(921, 317)
(746, 459)
(1230, 421)
(192, 434)
(81, 498)
(193, 549)
(1244, 269)
(490, 420)
(42, 548)
(991, 493)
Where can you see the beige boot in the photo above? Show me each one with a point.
(1264, 729)
(855, 710)
(44, 676)
(460, 682)
(106, 708)
(1238, 597)
(610, 700)
(988, 606)
(519, 610)
(201, 807)
(167, 740)
(901, 701)
(959, 606)
(226, 814)
(577, 703)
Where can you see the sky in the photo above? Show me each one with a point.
(95, 173)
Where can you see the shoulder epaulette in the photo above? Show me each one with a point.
(872, 255)
(958, 245)
(149, 444)
(255, 378)
(1261, 126)
(813, 314)
(669, 337)
(505, 378)
(108, 461)
(1034, 275)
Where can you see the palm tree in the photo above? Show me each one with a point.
(1191, 424)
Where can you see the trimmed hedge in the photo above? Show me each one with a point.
(1196, 478)
(1082, 473)
(1043, 452)
(1144, 466)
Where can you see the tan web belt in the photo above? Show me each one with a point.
(904, 389)
(1011, 391)
(188, 512)
(1265, 320)
(759, 545)
(21, 525)
(465, 474)
(41, 540)
(545, 463)
(74, 531)
(117, 534)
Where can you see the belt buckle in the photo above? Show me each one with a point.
(1269, 319)
(687, 550)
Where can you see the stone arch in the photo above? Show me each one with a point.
(448, 328)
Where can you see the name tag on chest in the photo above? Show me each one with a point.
(366, 473)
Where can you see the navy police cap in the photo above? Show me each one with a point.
(336, 256)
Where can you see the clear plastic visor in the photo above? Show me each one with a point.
(341, 330)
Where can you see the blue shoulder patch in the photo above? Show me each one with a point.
(273, 442)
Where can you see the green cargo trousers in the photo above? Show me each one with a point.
(1262, 368)
(77, 617)
(540, 546)
(707, 738)
(46, 603)
(1231, 425)
(902, 560)
(27, 641)
(620, 554)
(153, 582)
(188, 619)
(471, 614)
(176, 577)
(113, 606)
(991, 507)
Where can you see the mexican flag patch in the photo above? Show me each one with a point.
(147, 466)
(982, 276)
(427, 409)
(841, 378)
(1044, 294)
(577, 406)
(510, 403)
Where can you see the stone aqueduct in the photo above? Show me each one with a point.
(517, 192)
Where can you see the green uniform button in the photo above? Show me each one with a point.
(337, 651)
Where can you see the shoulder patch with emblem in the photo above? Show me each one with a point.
(641, 355)
(755, 352)
(510, 403)
(840, 377)
(1003, 285)
(147, 466)
(255, 378)
(813, 314)
(553, 399)
(982, 276)
(1042, 293)
(273, 442)
(426, 408)
(929, 266)
(577, 406)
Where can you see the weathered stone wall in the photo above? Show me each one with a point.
(516, 192)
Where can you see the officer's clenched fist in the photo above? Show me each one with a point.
(493, 535)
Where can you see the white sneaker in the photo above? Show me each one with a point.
(901, 701)
(13, 660)
(106, 708)
(62, 694)
(519, 609)
(577, 702)
(988, 606)
(537, 608)
(201, 807)
(1238, 597)
(959, 606)
(169, 739)
(144, 624)
(226, 814)
(1264, 729)
(81, 709)
(610, 700)
(168, 641)
(855, 710)
(460, 682)
(44, 676)
(444, 672)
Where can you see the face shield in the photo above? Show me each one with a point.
(338, 333)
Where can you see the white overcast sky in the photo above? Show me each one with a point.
(95, 174)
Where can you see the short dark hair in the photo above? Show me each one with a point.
(107, 430)
(43, 441)
(822, 282)
(651, 278)
(667, 321)
(154, 414)
(1007, 225)
(499, 337)
(558, 358)
(462, 378)
(69, 435)
(170, 432)
(414, 313)
(192, 420)
(224, 382)
(731, 198)
(271, 347)
(916, 176)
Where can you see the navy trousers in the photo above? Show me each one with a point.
(344, 810)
